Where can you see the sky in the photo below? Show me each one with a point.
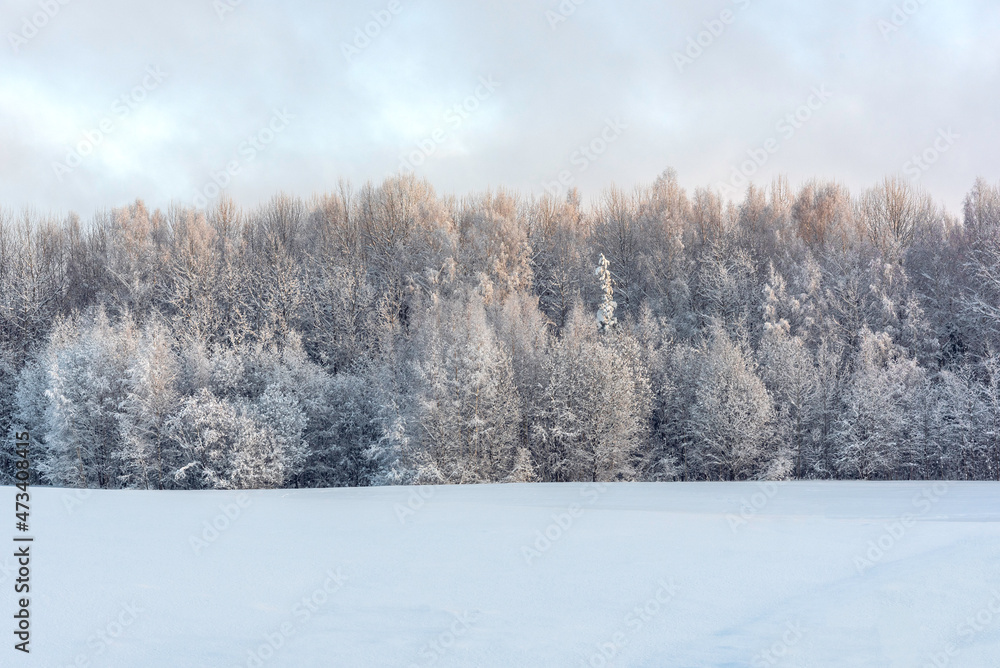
(103, 102)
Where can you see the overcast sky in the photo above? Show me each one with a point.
(181, 86)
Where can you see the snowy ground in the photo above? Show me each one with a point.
(812, 574)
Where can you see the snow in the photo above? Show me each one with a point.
(441, 576)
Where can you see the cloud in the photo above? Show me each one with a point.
(560, 82)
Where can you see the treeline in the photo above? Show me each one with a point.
(386, 335)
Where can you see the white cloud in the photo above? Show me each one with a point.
(607, 59)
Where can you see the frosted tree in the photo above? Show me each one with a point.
(85, 388)
(392, 457)
(282, 420)
(34, 279)
(680, 442)
(560, 260)
(247, 419)
(789, 372)
(493, 245)
(594, 412)
(524, 469)
(523, 334)
(620, 232)
(288, 390)
(876, 424)
(725, 289)
(981, 302)
(146, 455)
(732, 419)
(469, 411)
(982, 208)
(957, 414)
(349, 434)
(874, 323)
(224, 447)
(662, 266)
(655, 340)
(30, 408)
(986, 457)
(204, 428)
(892, 212)
(624, 414)
(340, 314)
(606, 314)
(831, 381)
(822, 214)
(8, 405)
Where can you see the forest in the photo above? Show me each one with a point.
(388, 335)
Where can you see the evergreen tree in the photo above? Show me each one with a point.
(732, 419)
(469, 410)
(85, 368)
(146, 455)
(877, 418)
(594, 413)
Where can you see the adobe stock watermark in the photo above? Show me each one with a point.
(363, 35)
(456, 115)
(246, 153)
(752, 505)
(967, 631)
(786, 127)
(415, 501)
(920, 163)
(986, 616)
(120, 109)
(441, 644)
(900, 16)
(894, 532)
(562, 12)
(7, 569)
(301, 613)
(218, 525)
(73, 499)
(606, 652)
(103, 638)
(779, 648)
(698, 43)
(32, 24)
(584, 156)
(562, 523)
(225, 7)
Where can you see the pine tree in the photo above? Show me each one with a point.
(606, 315)
(655, 340)
(789, 372)
(876, 421)
(594, 413)
(732, 418)
(86, 364)
(8, 407)
(152, 374)
(524, 470)
(470, 411)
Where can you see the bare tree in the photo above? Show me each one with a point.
(891, 212)
(822, 214)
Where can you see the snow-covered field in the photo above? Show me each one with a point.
(744, 574)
